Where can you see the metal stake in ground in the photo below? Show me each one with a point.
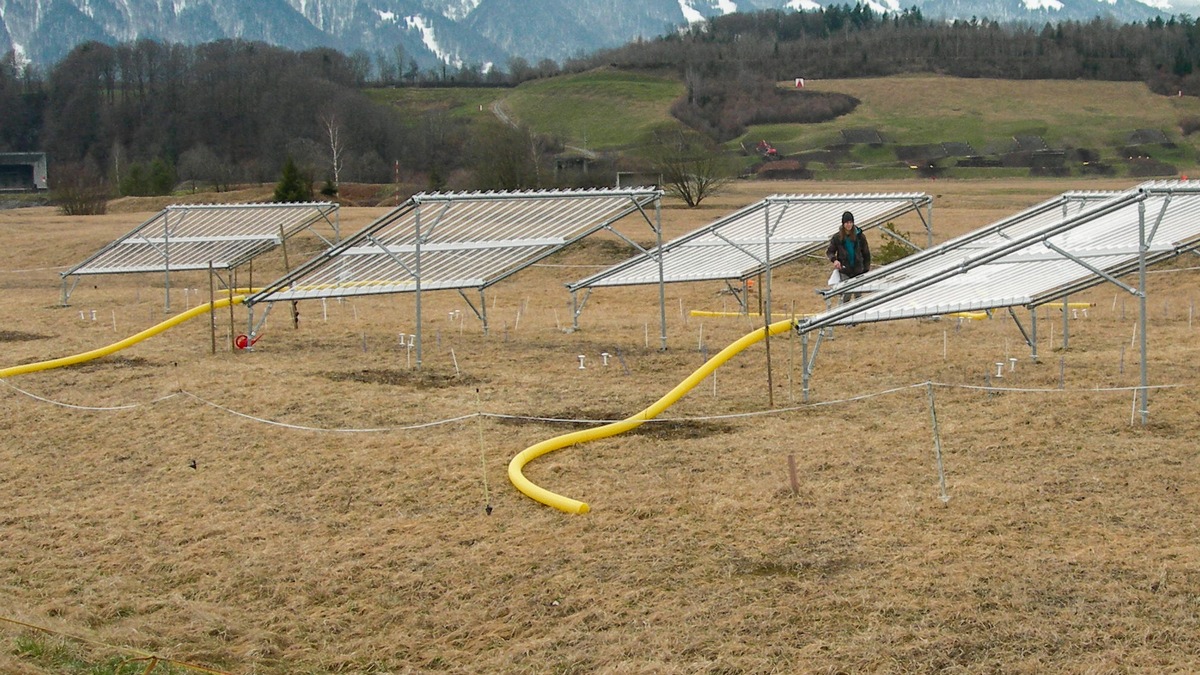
(937, 444)
(487, 495)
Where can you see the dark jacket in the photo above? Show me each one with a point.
(838, 250)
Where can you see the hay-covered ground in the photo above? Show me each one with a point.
(320, 531)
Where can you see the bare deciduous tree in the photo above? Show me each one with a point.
(80, 190)
(507, 158)
(691, 166)
(337, 150)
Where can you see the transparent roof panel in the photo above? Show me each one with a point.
(1074, 252)
(191, 237)
(457, 240)
(955, 250)
(735, 246)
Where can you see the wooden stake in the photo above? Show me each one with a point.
(792, 474)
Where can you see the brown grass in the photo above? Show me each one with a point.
(1069, 543)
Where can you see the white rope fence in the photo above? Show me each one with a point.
(72, 406)
(35, 269)
(300, 427)
(563, 420)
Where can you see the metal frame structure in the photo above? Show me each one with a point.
(194, 237)
(455, 241)
(751, 241)
(959, 248)
(1101, 243)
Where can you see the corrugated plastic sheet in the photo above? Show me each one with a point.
(735, 246)
(464, 240)
(191, 237)
(1025, 269)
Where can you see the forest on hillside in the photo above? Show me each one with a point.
(141, 117)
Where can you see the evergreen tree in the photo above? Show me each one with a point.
(162, 177)
(292, 186)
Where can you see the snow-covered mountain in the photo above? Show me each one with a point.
(454, 32)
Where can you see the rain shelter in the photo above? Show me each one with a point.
(1103, 241)
(959, 248)
(460, 240)
(753, 240)
(205, 237)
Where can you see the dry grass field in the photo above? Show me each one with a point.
(323, 530)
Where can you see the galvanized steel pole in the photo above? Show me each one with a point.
(1066, 322)
(212, 305)
(417, 269)
(167, 261)
(1142, 246)
(662, 290)
(766, 294)
(1033, 338)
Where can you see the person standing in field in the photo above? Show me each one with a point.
(848, 251)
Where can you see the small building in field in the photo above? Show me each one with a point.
(23, 172)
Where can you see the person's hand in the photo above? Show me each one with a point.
(837, 264)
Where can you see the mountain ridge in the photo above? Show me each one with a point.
(433, 33)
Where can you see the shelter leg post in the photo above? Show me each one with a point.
(1066, 322)
(483, 311)
(1033, 342)
(804, 367)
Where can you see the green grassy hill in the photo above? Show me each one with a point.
(1097, 116)
(600, 110)
(1092, 122)
(604, 109)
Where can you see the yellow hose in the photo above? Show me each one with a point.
(531, 453)
(127, 342)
